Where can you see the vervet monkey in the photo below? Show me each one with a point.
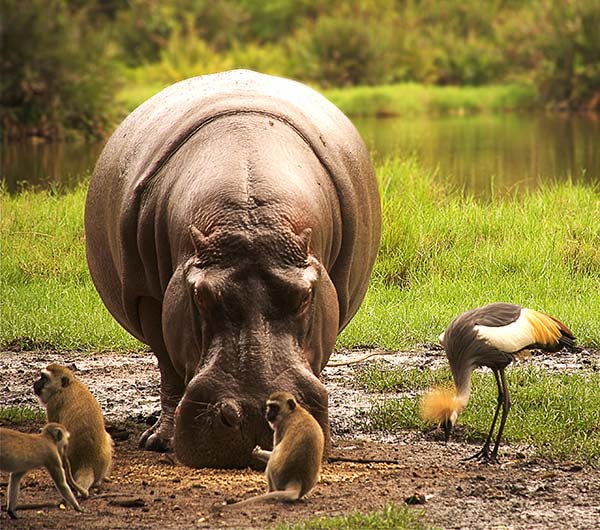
(21, 452)
(68, 401)
(294, 465)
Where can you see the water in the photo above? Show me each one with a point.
(497, 153)
(481, 154)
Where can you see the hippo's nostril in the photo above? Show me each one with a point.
(230, 413)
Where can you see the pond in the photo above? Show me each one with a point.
(482, 154)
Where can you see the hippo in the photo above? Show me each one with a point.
(232, 223)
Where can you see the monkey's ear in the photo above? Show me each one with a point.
(291, 403)
(58, 434)
(64, 381)
(198, 238)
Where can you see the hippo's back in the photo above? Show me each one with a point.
(143, 144)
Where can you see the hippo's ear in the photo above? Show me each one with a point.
(305, 239)
(198, 238)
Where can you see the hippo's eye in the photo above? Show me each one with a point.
(304, 301)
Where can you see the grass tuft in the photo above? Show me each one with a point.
(21, 414)
(390, 516)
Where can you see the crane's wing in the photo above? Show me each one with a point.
(531, 329)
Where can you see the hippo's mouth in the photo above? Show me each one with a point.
(218, 435)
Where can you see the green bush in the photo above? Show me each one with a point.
(569, 72)
(54, 75)
(341, 51)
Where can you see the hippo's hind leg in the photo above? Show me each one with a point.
(158, 437)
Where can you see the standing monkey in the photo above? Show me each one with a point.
(294, 465)
(21, 452)
(68, 401)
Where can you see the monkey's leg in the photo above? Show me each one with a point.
(484, 453)
(58, 476)
(14, 481)
(505, 410)
(158, 437)
(84, 477)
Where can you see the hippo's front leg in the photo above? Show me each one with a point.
(158, 437)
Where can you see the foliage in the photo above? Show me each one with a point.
(61, 58)
(54, 75)
(570, 69)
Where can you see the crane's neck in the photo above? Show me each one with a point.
(462, 380)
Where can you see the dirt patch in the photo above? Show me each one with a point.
(149, 490)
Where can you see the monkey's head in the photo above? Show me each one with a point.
(279, 405)
(58, 433)
(52, 379)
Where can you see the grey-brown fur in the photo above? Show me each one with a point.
(212, 209)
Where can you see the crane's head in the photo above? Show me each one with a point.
(442, 406)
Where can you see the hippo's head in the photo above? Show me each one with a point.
(264, 314)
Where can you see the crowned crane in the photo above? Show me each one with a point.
(493, 335)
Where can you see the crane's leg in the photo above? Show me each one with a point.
(484, 453)
(505, 410)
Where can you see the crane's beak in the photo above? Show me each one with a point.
(447, 426)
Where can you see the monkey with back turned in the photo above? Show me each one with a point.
(68, 401)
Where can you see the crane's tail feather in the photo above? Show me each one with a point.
(548, 332)
(438, 404)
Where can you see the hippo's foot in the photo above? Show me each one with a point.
(158, 437)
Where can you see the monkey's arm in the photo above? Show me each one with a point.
(58, 475)
(261, 454)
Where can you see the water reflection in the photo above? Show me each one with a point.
(493, 153)
(481, 154)
(43, 165)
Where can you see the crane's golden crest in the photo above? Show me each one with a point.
(441, 404)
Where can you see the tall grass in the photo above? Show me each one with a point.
(441, 253)
(48, 299)
(414, 99)
(404, 99)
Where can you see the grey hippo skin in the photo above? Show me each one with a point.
(232, 223)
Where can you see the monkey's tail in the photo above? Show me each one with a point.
(291, 493)
(439, 403)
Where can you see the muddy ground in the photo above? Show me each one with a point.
(149, 490)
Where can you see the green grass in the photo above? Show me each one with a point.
(375, 377)
(412, 98)
(21, 414)
(441, 253)
(391, 516)
(383, 100)
(48, 299)
(557, 414)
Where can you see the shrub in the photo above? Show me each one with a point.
(55, 77)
